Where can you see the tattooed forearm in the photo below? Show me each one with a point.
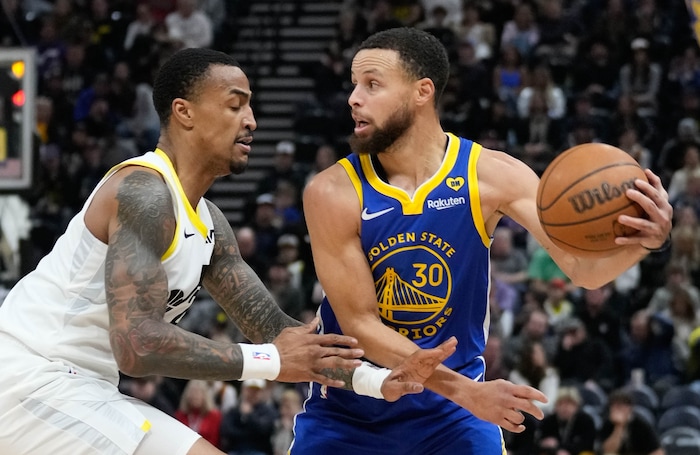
(338, 373)
(235, 286)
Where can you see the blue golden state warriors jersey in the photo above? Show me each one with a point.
(429, 255)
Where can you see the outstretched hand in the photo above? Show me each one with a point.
(409, 376)
(305, 355)
(502, 402)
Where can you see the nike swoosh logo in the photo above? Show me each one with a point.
(188, 235)
(370, 216)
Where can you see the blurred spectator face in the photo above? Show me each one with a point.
(265, 214)
(502, 244)
(686, 216)
(599, 53)
(143, 13)
(75, 55)
(556, 289)
(566, 408)
(691, 159)
(99, 8)
(246, 241)
(279, 275)
(537, 325)
(524, 17)
(595, 298)
(44, 109)
(288, 254)
(639, 326)
(538, 104)
(285, 195)
(186, 7)
(121, 72)
(325, 157)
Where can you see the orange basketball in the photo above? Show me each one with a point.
(582, 193)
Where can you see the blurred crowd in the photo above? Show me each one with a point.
(532, 78)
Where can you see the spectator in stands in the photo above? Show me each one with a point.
(672, 152)
(541, 270)
(534, 369)
(247, 429)
(557, 304)
(289, 406)
(625, 433)
(542, 83)
(188, 26)
(481, 34)
(288, 296)
(581, 358)
(504, 302)
(522, 31)
(325, 156)
(148, 389)
(539, 134)
(266, 224)
(677, 277)
(508, 262)
(141, 25)
(558, 43)
(198, 411)
(569, 430)
(685, 246)
(650, 348)
(641, 79)
(510, 75)
(613, 25)
(284, 168)
(436, 24)
(625, 116)
(596, 74)
(601, 317)
(691, 167)
(493, 356)
(535, 329)
(628, 140)
(685, 317)
(248, 247)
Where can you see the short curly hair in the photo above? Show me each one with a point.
(421, 54)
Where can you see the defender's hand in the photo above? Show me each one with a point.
(304, 354)
(410, 375)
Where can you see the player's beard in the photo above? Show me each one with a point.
(238, 167)
(383, 138)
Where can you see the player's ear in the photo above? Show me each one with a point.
(425, 91)
(181, 112)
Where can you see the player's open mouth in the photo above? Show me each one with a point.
(360, 126)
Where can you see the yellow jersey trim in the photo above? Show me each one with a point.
(354, 178)
(413, 205)
(191, 213)
(474, 197)
(146, 426)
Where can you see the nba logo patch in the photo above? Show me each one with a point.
(261, 355)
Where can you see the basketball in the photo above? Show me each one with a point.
(582, 193)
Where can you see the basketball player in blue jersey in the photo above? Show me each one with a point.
(400, 233)
(128, 266)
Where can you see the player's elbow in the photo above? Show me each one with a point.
(130, 361)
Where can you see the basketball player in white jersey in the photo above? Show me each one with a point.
(130, 264)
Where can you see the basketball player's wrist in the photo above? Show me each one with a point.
(367, 380)
(260, 361)
(664, 246)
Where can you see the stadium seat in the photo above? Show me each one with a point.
(681, 441)
(643, 395)
(680, 395)
(679, 416)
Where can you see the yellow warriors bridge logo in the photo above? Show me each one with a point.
(413, 291)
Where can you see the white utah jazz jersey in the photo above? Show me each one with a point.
(59, 310)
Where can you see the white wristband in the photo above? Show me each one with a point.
(367, 380)
(260, 361)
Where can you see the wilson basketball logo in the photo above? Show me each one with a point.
(606, 192)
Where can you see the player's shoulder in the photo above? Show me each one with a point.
(330, 189)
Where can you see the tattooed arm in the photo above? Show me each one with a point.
(238, 290)
(141, 226)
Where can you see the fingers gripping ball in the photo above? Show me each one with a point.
(581, 195)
